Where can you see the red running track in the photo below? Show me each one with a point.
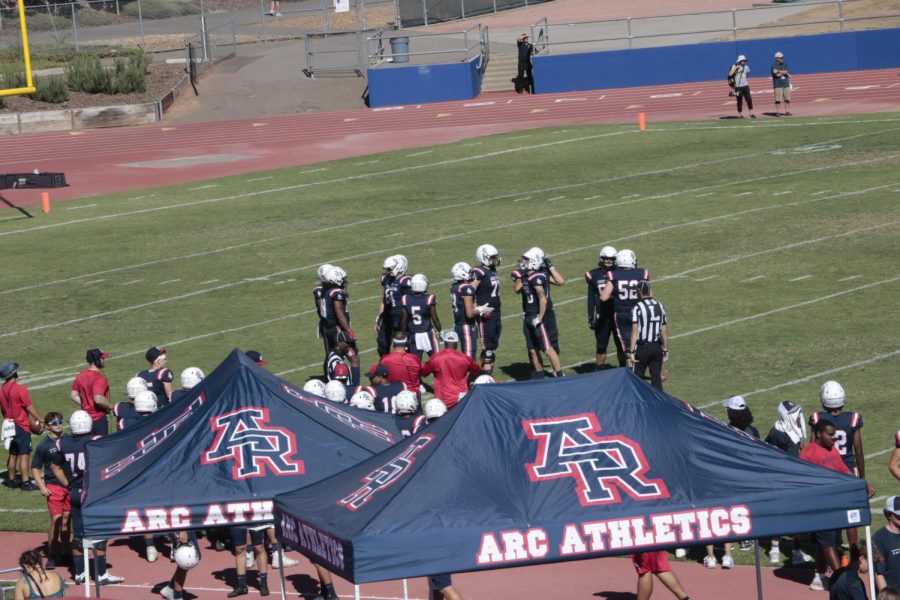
(101, 161)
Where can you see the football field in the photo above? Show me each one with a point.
(774, 246)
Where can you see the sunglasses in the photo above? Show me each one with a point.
(56, 422)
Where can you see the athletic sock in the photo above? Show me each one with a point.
(78, 563)
(354, 375)
(242, 581)
(101, 565)
(264, 579)
(327, 589)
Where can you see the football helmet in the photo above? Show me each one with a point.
(145, 402)
(483, 379)
(532, 259)
(419, 283)
(626, 259)
(186, 556)
(832, 394)
(608, 256)
(322, 271)
(336, 276)
(363, 399)
(434, 409)
(341, 373)
(461, 271)
(395, 265)
(135, 386)
(80, 422)
(336, 391)
(191, 377)
(406, 403)
(315, 386)
(487, 255)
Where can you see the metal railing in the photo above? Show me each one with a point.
(459, 46)
(336, 53)
(411, 14)
(297, 22)
(744, 23)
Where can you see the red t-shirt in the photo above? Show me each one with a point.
(14, 401)
(830, 459)
(403, 367)
(451, 370)
(90, 383)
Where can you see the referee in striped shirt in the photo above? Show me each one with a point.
(649, 336)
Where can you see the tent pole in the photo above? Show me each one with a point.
(759, 593)
(405, 590)
(87, 561)
(281, 571)
(356, 591)
(96, 569)
(872, 592)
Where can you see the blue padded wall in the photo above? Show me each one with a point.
(415, 84)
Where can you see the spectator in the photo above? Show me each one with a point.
(275, 8)
(16, 405)
(90, 391)
(648, 564)
(739, 71)
(846, 583)
(649, 339)
(56, 494)
(887, 541)
(158, 377)
(401, 365)
(525, 76)
(35, 582)
(451, 369)
(781, 81)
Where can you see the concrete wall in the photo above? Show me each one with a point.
(849, 51)
(393, 85)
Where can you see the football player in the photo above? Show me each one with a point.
(318, 292)
(554, 277)
(420, 319)
(600, 314)
(434, 410)
(487, 303)
(190, 377)
(68, 464)
(621, 285)
(395, 285)
(334, 317)
(534, 304)
(462, 302)
(158, 377)
(407, 415)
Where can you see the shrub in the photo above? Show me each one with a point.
(88, 17)
(86, 74)
(42, 21)
(161, 9)
(130, 75)
(13, 76)
(51, 89)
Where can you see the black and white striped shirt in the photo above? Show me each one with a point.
(650, 316)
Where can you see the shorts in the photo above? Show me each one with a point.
(58, 502)
(783, 93)
(414, 349)
(239, 536)
(536, 338)
(100, 426)
(651, 562)
(21, 443)
(468, 339)
(830, 538)
(489, 330)
(440, 582)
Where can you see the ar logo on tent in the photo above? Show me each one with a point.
(244, 437)
(601, 466)
(385, 475)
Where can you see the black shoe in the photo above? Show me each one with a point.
(51, 563)
(11, 483)
(239, 591)
(29, 486)
(263, 590)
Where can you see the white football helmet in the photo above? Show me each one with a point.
(483, 379)
(323, 270)
(135, 386)
(532, 259)
(315, 386)
(626, 259)
(363, 399)
(434, 409)
(395, 265)
(145, 402)
(419, 283)
(608, 253)
(336, 391)
(191, 377)
(461, 271)
(406, 403)
(832, 394)
(487, 255)
(186, 556)
(336, 276)
(80, 422)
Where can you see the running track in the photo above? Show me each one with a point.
(102, 161)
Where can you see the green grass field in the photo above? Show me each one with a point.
(774, 247)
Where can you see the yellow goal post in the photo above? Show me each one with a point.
(29, 82)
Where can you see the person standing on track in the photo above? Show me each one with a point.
(781, 82)
(525, 76)
(739, 71)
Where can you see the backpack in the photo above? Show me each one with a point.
(731, 78)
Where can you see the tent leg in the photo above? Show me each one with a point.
(872, 592)
(405, 590)
(281, 571)
(85, 546)
(96, 569)
(356, 592)
(759, 593)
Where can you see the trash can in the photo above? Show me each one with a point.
(400, 49)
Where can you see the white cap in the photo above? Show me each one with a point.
(735, 403)
(450, 337)
(741, 57)
(779, 55)
(893, 505)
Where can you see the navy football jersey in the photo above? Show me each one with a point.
(126, 414)
(530, 302)
(327, 316)
(845, 425)
(625, 284)
(596, 279)
(458, 291)
(43, 456)
(487, 291)
(410, 425)
(546, 273)
(418, 307)
(70, 455)
(317, 293)
(155, 380)
(384, 394)
(394, 290)
(177, 395)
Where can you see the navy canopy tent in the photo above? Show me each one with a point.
(218, 456)
(560, 469)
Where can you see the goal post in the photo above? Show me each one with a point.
(26, 55)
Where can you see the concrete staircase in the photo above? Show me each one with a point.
(500, 71)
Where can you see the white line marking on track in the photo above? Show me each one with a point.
(366, 162)
(560, 100)
(697, 93)
(80, 207)
(132, 282)
(419, 153)
(472, 144)
(473, 104)
(801, 278)
(862, 87)
(754, 278)
(783, 193)
(258, 179)
(670, 95)
(203, 187)
(893, 85)
(519, 137)
(169, 281)
(602, 97)
(852, 277)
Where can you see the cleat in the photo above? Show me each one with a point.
(710, 562)
(239, 591)
(727, 562)
(167, 592)
(152, 554)
(288, 561)
(79, 578)
(109, 579)
(29, 486)
(799, 557)
(263, 589)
